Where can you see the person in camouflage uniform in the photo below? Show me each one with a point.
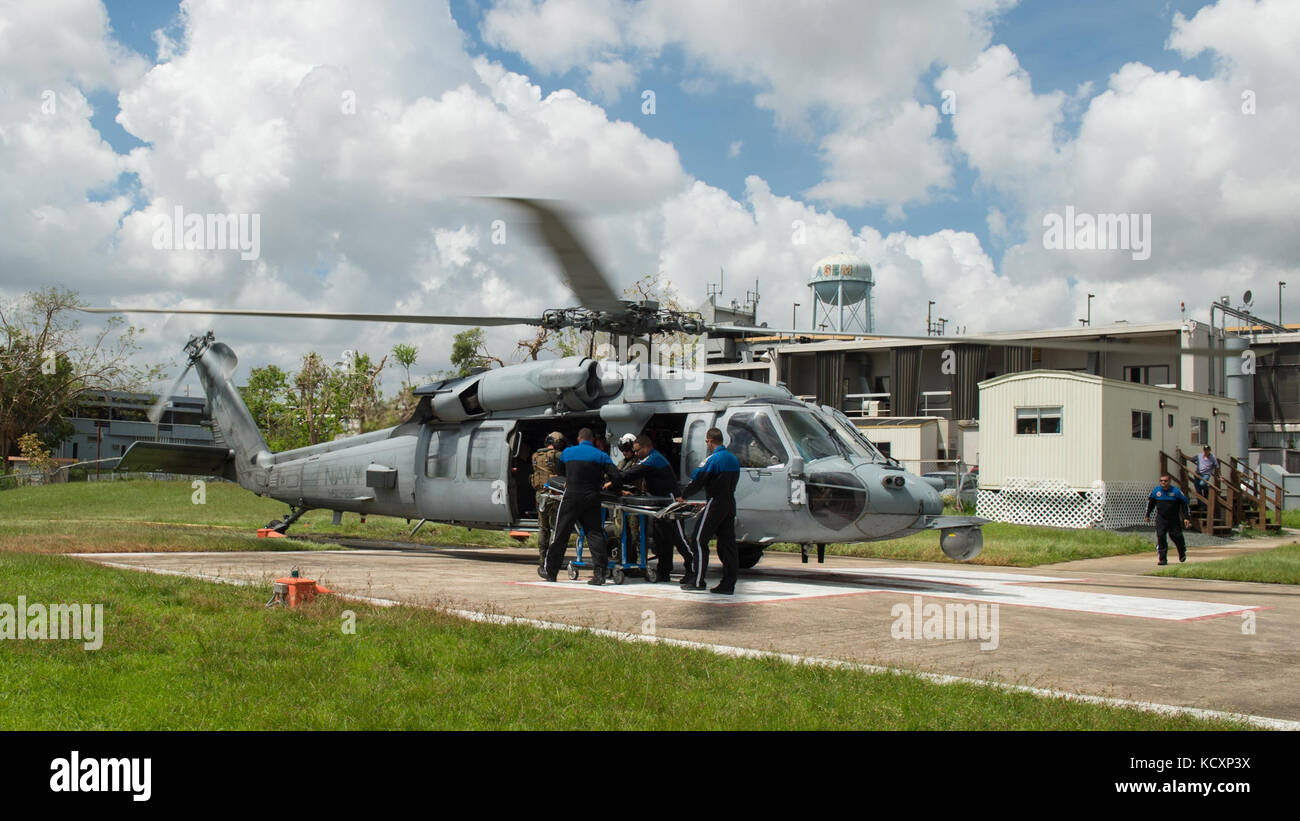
(545, 464)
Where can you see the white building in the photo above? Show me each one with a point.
(1078, 450)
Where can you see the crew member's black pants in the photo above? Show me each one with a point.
(716, 520)
(585, 513)
(1175, 532)
(667, 536)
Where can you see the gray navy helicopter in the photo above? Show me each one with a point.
(808, 475)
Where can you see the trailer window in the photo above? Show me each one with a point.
(1038, 421)
(1141, 424)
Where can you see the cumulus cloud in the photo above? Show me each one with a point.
(362, 162)
(843, 73)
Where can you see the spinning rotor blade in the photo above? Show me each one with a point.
(156, 412)
(581, 273)
(1048, 344)
(417, 319)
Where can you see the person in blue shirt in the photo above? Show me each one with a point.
(1206, 464)
(585, 470)
(1172, 514)
(717, 477)
(660, 479)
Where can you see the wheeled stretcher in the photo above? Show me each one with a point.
(622, 556)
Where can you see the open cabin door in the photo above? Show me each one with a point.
(464, 473)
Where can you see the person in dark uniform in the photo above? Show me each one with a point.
(1172, 514)
(718, 477)
(585, 470)
(660, 480)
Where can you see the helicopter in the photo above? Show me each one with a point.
(808, 475)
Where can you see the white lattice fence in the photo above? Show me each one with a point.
(1123, 504)
(1053, 503)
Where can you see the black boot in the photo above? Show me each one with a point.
(597, 576)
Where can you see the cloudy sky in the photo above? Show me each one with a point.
(934, 140)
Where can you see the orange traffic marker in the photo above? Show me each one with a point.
(294, 590)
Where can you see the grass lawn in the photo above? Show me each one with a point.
(143, 515)
(183, 654)
(1004, 545)
(1281, 565)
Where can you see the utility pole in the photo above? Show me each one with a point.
(929, 326)
(1280, 286)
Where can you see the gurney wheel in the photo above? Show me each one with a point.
(651, 575)
(573, 572)
(619, 576)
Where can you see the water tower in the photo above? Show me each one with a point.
(841, 291)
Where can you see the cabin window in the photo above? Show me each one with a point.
(696, 449)
(1141, 424)
(1044, 421)
(485, 446)
(752, 437)
(441, 462)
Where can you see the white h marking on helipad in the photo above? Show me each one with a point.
(993, 587)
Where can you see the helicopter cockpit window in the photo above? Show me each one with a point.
(441, 462)
(810, 435)
(485, 446)
(752, 438)
(850, 435)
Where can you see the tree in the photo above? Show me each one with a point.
(469, 351)
(315, 404)
(47, 365)
(354, 389)
(267, 396)
(405, 356)
(312, 399)
(39, 462)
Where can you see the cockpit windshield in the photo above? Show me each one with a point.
(852, 437)
(813, 437)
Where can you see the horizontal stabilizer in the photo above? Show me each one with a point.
(950, 522)
(172, 457)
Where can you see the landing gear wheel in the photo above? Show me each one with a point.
(651, 575)
(619, 576)
(749, 554)
(573, 572)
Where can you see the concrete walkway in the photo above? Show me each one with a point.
(1145, 563)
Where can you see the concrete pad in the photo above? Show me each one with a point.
(1216, 645)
